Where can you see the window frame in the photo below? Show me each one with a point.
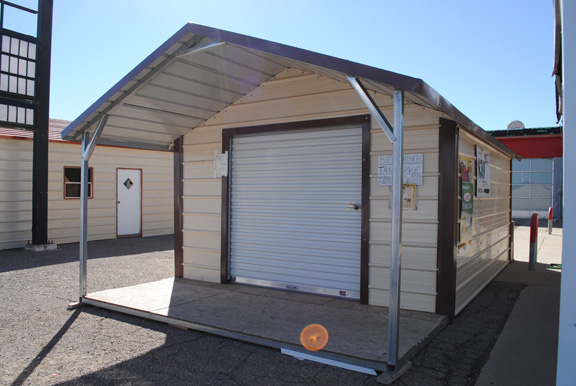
(90, 182)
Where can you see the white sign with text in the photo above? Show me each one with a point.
(412, 169)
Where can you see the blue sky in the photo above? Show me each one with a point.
(492, 59)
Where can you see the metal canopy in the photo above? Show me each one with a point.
(200, 71)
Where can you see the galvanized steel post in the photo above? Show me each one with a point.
(550, 220)
(83, 215)
(395, 134)
(87, 149)
(396, 234)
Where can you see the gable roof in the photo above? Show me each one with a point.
(201, 70)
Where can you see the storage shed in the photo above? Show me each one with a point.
(283, 171)
(153, 214)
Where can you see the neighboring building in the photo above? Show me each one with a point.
(537, 182)
(302, 201)
(148, 212)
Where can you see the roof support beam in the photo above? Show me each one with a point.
(396, 136)
(201, 47)
(372, 107)
(87, 150)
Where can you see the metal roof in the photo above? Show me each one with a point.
(201, 70)
(557, 130)
(55, 128)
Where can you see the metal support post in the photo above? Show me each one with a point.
(83, 216)
(40, 140)
(396, 237)
(395, 134)
(87, 149)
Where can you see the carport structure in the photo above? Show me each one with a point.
(274, 186)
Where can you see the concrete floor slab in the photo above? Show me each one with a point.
(274, 318)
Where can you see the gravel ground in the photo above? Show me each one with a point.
(41, 343)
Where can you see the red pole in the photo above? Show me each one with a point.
(533, 241)
(550, 218)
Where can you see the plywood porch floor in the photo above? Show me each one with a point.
(274, 318)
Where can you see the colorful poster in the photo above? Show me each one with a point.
(482, 173)
(467, 200)
(466, 168)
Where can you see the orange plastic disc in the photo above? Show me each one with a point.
(314, 337)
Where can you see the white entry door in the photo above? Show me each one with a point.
(129, 207)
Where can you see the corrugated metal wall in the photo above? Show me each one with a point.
(294, 96)
(157, 192)
(15, 192)
(64, 214)
(488, 252)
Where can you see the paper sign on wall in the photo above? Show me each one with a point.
(467, 200)
(220, 165)
(482, 173)
(412, 170)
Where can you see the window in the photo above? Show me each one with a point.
(532, 186)
(72, 182)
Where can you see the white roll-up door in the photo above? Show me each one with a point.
(290, 222)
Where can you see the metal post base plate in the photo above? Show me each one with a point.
(388, 378)
(75, 305)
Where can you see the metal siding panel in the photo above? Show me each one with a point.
(480, 262)
(289, 222)
(15, 192)
(201, 205)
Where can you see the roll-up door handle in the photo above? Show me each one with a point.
(353, 206)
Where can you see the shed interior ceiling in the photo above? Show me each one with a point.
(193, 81)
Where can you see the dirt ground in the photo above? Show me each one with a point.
(42, 343)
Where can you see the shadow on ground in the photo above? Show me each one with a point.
(18, 259)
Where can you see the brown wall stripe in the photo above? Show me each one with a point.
(448, 218)
(178, 208)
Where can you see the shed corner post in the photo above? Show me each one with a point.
(178, 151)
(447, 218)
(396, 233)
(87, 150)
(395, 134)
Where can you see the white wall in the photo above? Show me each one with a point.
(566, 374)
(64, 214)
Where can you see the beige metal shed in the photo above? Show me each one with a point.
(286, 175)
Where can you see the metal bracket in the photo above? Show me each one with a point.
(372, 107)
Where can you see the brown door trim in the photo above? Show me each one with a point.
(364, 120)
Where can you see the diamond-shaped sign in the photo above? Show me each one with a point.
(128, 183)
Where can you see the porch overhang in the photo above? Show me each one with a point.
(200, 71)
